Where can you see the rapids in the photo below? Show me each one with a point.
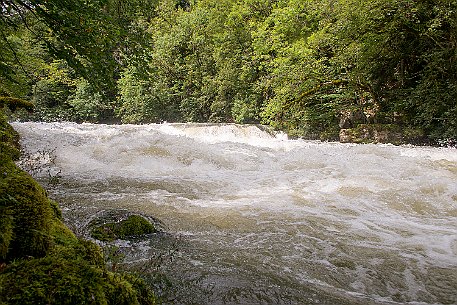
(260, 219)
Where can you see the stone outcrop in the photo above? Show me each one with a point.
(381, 133)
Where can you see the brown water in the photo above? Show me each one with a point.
(260, 219)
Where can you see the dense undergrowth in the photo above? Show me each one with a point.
(41, 260)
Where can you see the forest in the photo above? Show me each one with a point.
(307, 67)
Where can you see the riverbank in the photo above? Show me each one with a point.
(41, 260)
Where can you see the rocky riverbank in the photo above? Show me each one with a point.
(41, 260)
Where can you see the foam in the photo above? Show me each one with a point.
(357, 201)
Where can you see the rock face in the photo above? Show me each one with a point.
(380, 133)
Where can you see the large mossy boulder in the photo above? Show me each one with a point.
(29, 213)
(25, 210)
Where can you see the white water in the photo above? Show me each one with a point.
(266, 220)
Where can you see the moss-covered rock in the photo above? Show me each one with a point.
(57, 280)
(132, 226)
(381, 133)
(31, 212)
(26, 212)
(6, 231)
(73, 272)
(9, 141)
(16, 103)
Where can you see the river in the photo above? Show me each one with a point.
(257, 218)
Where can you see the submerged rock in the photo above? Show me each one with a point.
(120, 225)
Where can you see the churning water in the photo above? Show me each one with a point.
(260, 219)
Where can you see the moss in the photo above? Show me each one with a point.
(56, 209)
(133, 226)
(8, 152)
(9, 141)
(31, 212)
(16, 103)
(61, 234)
(58, 280)
(104, 232)
(73, 272)
(82, 249)
(6, 231)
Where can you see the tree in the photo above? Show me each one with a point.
(406, 60)
(76, 31)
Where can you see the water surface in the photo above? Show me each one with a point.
(260, 219)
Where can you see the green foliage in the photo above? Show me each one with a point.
(371, 57)
(300, 66)
(132, 226)
(145, 100)
(50, 99)
(87, 102)
(79, 32)
(405, 59)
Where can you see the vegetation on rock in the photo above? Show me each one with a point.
(381, 133)
(15, 103)
(42, 261)
(9, 144)
(59, 280)
(132, 226)
(31, 214)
